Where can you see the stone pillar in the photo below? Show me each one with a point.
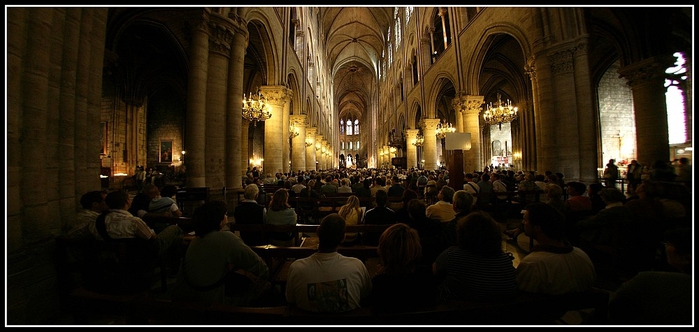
(220, 35)
(286, 148)
(311, 149)
(528, 125)
(298, 144)
(471, 119)
(411, 150)
(32, 120)
(429, 127)
(586, 115)
(235, 169)
(277, 96)
(195, 142)
(324, 155)
(646, 79)
(319, 151)
(244, 159)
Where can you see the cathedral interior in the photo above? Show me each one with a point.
(94, 93)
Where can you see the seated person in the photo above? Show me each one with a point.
(599, 228)
(380, 215)
(281, 213)
(352, 213)
(93, 205)
(477, 269)
(328, 281)
(118, 223)
(443, 209)
(659, 297)
(401, 284)
(249, 211)
(553, 266)
(429, 230)
(162, 205)
(218, 266)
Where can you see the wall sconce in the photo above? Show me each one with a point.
(309, 142)
(317, 145)
(293, 130)
(392, 150)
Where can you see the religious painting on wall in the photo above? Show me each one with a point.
(166, 151)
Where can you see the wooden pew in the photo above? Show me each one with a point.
(526, 309)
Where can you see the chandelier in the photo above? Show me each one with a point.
(419, 140)
(442, 130)
(502, 113)
(255, 108)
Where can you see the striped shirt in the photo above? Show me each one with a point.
(471, 277)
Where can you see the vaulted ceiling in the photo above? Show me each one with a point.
(355, 39)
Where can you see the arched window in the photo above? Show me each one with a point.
(342, 127)
(349, 127)
(396, 19)
(349, 147)
(357, 145)
(356, 127)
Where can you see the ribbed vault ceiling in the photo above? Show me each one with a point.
(355, 39)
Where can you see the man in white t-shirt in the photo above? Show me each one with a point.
(328, 281)
(554, 266)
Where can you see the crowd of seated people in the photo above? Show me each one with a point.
(440, 257)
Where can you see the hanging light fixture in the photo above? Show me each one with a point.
(419, 140)
(443, 129)
(502, 113)
(255, 108)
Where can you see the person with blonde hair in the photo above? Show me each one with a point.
(402, 283)
(352, 213)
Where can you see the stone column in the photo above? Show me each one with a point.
(220, 35)
(471, 119)
(311, 149)
(586, 115)
(319, 151)
(298, 144)
(646, 78)
(411, 150)
(235, 169)
(429, 127)
(286, 149)
(277, 96)
(244, 159)
(29, 127)
(324, 155)
(195, 142)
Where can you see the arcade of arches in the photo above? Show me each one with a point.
(97, 92)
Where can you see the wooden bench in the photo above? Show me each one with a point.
(526, 309)
(314, 209)
(301, 229)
